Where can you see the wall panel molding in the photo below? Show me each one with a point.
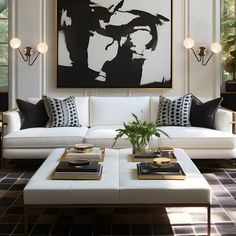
(12, 54)
(217, 73)
(185, 32)
(42, 39)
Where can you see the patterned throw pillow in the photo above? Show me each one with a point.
(61, 113)
(174, 112)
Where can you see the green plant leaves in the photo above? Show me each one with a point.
(138, 132)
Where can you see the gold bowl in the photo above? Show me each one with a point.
(83, 147)
(162, 161)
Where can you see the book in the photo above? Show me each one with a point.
(78, 175)
(65, 166)
(166, 149)
(97, 154)
(151, 171)
(148, 157)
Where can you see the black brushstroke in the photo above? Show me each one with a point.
(123, 71)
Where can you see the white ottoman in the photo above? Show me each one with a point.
(118, 186)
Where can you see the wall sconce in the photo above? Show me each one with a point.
(15, 43)
(202, 51)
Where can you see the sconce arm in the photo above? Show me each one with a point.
(25, 59)
(31, 63)
(204, 63)
(194, 53)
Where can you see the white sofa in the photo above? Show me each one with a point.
(101, 116)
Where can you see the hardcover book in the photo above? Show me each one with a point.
(147, 155)
(91, 172)
(151, 171)
(78, 175)
(65, 166)
(97, 154)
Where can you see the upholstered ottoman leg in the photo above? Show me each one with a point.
(25, 221)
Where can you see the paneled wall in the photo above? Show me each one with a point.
(34, 21)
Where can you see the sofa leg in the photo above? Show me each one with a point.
(2, 162)
(1, 156)
(1, 149)
(233, 162)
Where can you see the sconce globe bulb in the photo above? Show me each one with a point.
(216, 48)
(188, 43)
(15, 43)
(42, 47)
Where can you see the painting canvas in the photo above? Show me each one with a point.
(114, 43)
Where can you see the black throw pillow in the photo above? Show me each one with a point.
(203, 114)
(33, 115)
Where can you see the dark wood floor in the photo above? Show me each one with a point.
(221, 176)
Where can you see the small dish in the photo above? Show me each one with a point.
(80, 162)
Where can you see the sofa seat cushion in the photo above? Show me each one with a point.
(197, 137)
(103, 136)
(45, 137)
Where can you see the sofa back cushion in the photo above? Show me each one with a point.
(82, 105)
(116, 110)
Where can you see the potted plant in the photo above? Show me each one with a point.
(138, 133)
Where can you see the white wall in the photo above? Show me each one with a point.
(33, 21)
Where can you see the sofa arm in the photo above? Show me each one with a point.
(224, 120)
(11, 121)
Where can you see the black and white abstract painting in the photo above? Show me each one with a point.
(114, 43)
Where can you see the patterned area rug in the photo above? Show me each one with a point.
(220, 174)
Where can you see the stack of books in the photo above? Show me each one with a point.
(149, 156)
(79, 170)
(96, 154)
(148, 170)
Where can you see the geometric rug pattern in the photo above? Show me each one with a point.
(220, 174)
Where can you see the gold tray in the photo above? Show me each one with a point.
(140, 159)
(167, 176)
(75, 177)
